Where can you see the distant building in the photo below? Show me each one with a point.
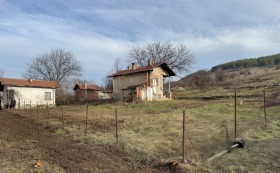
(90, 92)
(143, 83)
(28, 92)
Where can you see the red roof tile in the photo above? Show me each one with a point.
(144, 69)
(89, 87)
(29, 83)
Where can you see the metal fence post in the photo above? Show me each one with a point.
(62, 117)
(183, 140)
(264, 106)
(117, 135)
(48, 110)
(30, 108)
(86, 120)
(235, 123)
(37, 108)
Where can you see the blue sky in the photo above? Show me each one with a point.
(99, 31)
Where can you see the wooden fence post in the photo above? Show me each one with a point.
(86, 120)
(117, 135)
(183, 140)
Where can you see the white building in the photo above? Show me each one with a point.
(28, 92)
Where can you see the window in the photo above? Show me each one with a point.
(155, 82)
(48, 96)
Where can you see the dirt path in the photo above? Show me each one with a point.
(23, 142)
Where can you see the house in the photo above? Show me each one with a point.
(28, 92)
(143, 83)
(89, 92)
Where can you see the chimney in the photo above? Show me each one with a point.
(134, 66)
(30, 80)
(150, 62)
(128, 68)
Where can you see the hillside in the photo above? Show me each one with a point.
(264, 61)
(234, 78)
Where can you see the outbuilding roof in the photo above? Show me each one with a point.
(29, 83)
(145, 69)
(87, 86)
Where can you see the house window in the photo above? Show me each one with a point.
(48, 96)
(155, 82)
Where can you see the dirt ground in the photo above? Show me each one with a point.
(23, 142)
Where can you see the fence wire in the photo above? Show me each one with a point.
(150, 134)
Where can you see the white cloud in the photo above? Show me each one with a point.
(98, 32)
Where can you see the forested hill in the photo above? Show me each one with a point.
(252, 62)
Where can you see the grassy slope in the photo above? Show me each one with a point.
(152, 131)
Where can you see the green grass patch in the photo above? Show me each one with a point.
(60, 131)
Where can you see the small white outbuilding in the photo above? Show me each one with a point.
(27, 92)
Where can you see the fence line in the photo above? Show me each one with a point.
(137, 117)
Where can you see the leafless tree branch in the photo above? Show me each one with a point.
(56, 65)
(2, 72)
(178, 57)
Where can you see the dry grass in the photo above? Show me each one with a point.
(153, 130)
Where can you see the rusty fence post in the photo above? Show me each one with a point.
(116, 116)
(30, 108)
(86, 119)
(62, 116)
(235, 123)
(48, 110)
(37, 108)
(264, 106)
(24, 111)
(18, 106)
(183, 138)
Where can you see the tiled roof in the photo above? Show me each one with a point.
(89, 87)
(144, 69)
(29, 83)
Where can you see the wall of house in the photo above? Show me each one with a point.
(122, 82)
(90, 95)
(25, 95)
(153, 92)
(79, 94)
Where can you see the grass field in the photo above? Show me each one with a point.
(152, 131)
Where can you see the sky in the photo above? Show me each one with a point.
(99, 31)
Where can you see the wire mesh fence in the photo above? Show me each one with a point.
(147, 132)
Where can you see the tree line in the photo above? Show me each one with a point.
(247, 63)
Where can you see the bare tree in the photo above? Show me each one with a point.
(117, 65)
(178, 57)
(2, 72)
(56, 65)
(108, 82)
